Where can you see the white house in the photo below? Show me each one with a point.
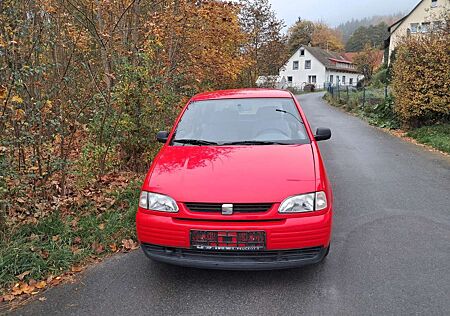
(426, 16)
(319, 67)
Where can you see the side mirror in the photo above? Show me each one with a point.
(322, 133)
(162, 136)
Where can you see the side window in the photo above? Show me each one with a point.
(289, 79)
(295, 65)
(414, 27)
(351, 81)
(331, 78)
(302, 52)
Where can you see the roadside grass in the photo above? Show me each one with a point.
(379, 112)
(59, 242)
(437, 136)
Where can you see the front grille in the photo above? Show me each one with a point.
(237, 208)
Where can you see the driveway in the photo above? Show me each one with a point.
(390, 252)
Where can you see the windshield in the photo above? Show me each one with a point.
(259, 121)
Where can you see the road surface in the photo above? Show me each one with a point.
(390, 252)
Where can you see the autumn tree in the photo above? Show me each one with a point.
(326, 38)
(315, 34)
(201, 42)
(265, 45)
(84, 85)
(366, 61)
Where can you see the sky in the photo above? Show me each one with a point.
(334, 12)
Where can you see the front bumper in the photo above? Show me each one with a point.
(290, 241)
(261, 260)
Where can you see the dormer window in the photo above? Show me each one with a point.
(433, 3)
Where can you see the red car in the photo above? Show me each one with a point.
(238, 185)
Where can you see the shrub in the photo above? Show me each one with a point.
(380, 78)
(421, 80)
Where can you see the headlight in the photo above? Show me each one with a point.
(304, 203)
(157, 202)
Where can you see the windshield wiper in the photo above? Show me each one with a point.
(195, 142)
(255, 142)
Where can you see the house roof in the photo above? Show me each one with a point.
(329, 58)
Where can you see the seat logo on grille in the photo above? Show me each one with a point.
(227, 209)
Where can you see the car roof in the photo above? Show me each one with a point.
(241, 94)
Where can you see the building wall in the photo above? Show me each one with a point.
(422, 14)
(300, 77)
(348, 76)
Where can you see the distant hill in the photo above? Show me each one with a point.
(349, 27)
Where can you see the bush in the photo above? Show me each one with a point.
(380, 78)
(421, 78)
(382, 114)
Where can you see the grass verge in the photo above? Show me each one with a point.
(57, 243)
(380, 114)
(437, 136)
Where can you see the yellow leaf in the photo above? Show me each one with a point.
(17, 99)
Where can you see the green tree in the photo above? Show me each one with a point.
(301, 33)
(373, 35)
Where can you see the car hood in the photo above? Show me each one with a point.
(248, 174)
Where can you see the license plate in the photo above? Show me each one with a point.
(228, 240)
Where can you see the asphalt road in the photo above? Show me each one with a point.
(390, 252)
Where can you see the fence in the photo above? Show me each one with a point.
(361, 96)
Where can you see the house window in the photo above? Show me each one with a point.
(351, 81)
(312, 79)
(425, 27)
(302, 52)
(307, 64)
(437, 25)
(414, 27)
(433, 3)
(337, 79)
(331, 78)
(343, 79)
(289, 79)
(295, 65)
